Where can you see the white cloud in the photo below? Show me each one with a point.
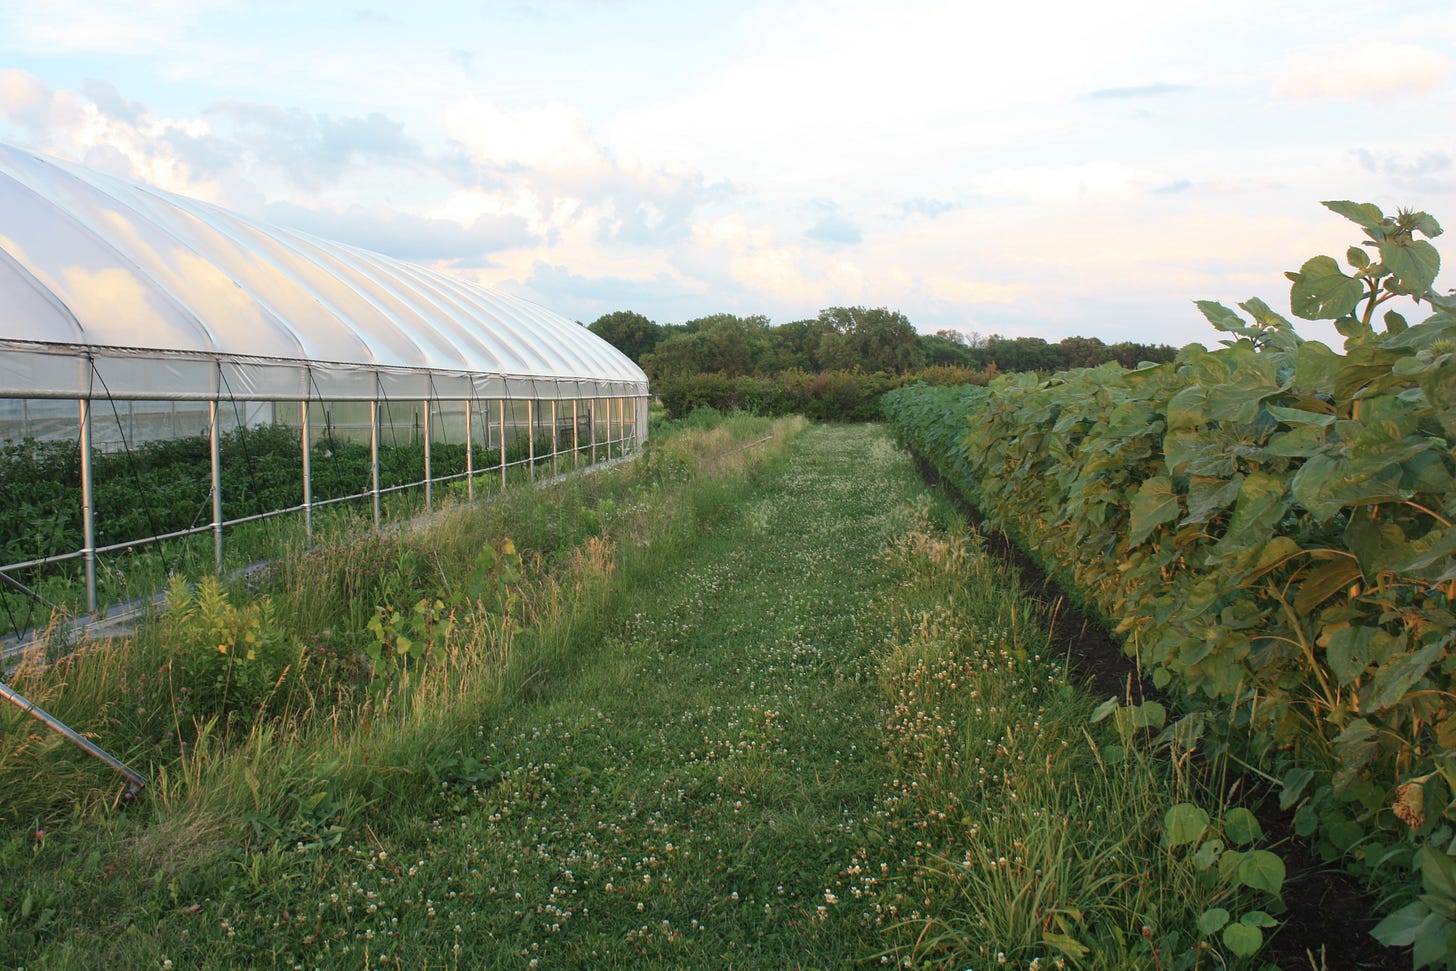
(1056, 183)
(551, 138)
(746, 264)
(92, 26)
(139, 146)
(753, 260)
(1363, 69)
(25, 99)
(465, 206)
(854, 93)
(543, 165)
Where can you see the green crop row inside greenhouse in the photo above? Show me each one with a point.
(169, 369)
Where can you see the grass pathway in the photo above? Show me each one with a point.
(700, 792)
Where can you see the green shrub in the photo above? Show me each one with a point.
(227, 661)
(817, 395)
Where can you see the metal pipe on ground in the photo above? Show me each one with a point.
(136, 781)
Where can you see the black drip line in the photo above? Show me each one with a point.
(430, 403)
(328, 423)
(477, 409)
(127, 451)
(241, 419)
(32, 597)
(10, 614)
(387, 414)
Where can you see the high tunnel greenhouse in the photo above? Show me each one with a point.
(143, 329)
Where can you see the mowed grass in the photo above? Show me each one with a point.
(821, 732)
(686, 791)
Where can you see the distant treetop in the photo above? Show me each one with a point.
(844, 339)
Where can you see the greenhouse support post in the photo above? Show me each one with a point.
(554, 446)
(429, 483)
(531, 438)
(593, 412)
(469, 455)
(88, 507)
(215, 452)
(503, 441)
(374, 456)
(307, 477)
(575, 436)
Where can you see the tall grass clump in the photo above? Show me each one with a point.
(1058, 833)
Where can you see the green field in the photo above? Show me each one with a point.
(748, 702)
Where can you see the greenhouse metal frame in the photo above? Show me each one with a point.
(117, 296)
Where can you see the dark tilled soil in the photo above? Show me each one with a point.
(1327, 926)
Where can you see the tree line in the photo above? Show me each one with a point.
(874, 340)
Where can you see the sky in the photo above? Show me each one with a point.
(1026, 169)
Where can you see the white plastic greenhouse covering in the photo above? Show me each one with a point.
(163, 310)
(156, 296)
